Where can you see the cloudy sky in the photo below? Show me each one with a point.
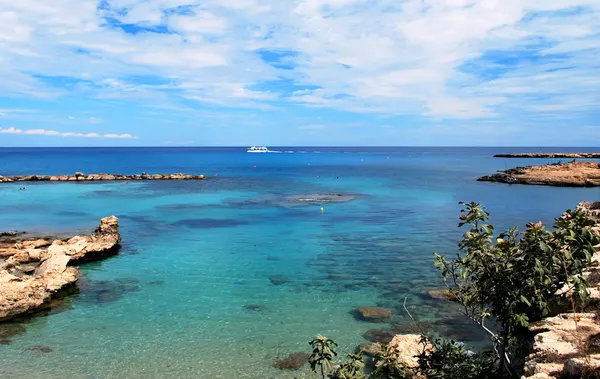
(299, 72)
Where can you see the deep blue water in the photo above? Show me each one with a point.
(198, 254)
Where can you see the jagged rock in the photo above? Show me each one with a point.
(408, 346)
(104, 242)
(35, 271)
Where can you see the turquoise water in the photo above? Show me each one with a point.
(218, 278)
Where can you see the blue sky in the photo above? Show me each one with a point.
(299, 72)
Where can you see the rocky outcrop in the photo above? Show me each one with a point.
(550, 155)
(564, 346)
(36, 270)
(572, 174)
(103, 242)
(407, 346)
(568, 343)
(81, 177)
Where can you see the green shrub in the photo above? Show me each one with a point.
(516, 278)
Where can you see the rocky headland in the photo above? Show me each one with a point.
(551, 155)
(81, 177)
(34, 270)
(571, 174)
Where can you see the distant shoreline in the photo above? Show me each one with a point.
(572, 174)
(550, 155)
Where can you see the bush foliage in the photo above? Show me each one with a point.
(507, 281)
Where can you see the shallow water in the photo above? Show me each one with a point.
(217, 278)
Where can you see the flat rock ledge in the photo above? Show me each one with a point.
(81, 177)
(572, 174)
(34, 270)
(568, 343)
(550, 155)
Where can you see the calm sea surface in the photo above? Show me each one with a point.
(218, 278)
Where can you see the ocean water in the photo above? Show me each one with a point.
(218, 278)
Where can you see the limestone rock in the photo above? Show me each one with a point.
(34, 271)
(105, 241)
(408, 346)
(562, 343)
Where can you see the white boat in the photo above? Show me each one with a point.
(258, 149)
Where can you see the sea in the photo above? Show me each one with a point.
(220, 278)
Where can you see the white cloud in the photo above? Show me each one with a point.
(377, 56)
(45, 132)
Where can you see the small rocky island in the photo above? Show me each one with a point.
(571, 174)
(34, 270)
(551, 155)
(81, 177)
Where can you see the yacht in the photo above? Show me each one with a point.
(258, 149)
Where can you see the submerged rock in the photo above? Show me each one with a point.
(255, 307)
(374, 314)
(8, 331)
(383, 336)
(442, 294)
(40, 349)
(278, 280)
(294, 361)
(320, 198)
(370, 349)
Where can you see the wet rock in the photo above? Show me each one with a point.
(373, 314)
(278, 280)
(294, 361)
(40, 349)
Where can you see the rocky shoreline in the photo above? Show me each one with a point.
(551, 155)
(81, 177)
(568, 342)
(34, 270)
(571, 174)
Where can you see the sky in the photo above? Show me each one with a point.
(299, 72)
